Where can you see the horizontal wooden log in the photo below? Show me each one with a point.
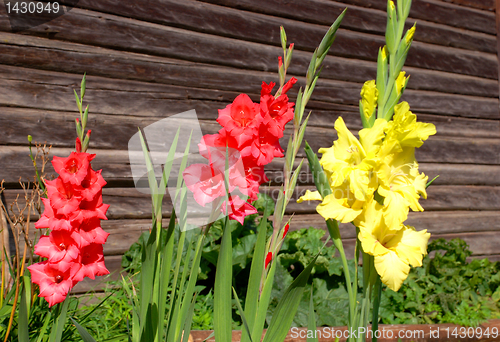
(110, 31)
(452, 159)
(488, 5)
(250, 25)
(57, 127)
(54, 91)
(35, 52)
(442, 13)
(129, 203)
(124, 232)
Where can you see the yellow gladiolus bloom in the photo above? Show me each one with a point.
(347, 160)
(405, 129)
(393, 250)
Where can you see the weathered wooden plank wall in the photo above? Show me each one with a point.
(149, 59)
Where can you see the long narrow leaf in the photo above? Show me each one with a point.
(193, 277)
(265, 298)
(222, 288)
(242, 314)
(287, 307)
(84, 334)
(256, 269)
(189, 320)
(311, 320)
(23, 328)
(61, 321)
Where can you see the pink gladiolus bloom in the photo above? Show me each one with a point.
(74, 168)
(240, 118)
(92, 262)
(238, 209)
(91, 209)
(51, 220)
(92, 184)
(205, 182)
(57, 246)
(91, 232)
(54, 282)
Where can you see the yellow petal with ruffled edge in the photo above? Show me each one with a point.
(410, 245)
(347, 147)
(392, 270)
(396, 208)
(371, 138)
(406, 130)
(310, 196)
(338, 209)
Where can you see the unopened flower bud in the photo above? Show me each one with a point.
(409, 35)
(269, 257)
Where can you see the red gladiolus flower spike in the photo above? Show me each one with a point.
(73, 211)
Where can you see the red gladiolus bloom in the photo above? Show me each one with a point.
(92, 261)
(91, 232)
(238, 209)
(54, 282)
(59, 245)
(74, 168)
(51, 220)
(72, 212)
(64, 197)
(92, 184)
(91, 209)
(240, 118)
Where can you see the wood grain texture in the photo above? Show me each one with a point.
(443, 13)
(36, 52)
(488, 5)
(94, 28)
(452, 158)
(54, 91)
(252, 24)
(58, 126)
(128, 203)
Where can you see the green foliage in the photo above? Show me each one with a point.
(330, 298)
(447, 289)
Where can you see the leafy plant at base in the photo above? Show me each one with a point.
(447, 289)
